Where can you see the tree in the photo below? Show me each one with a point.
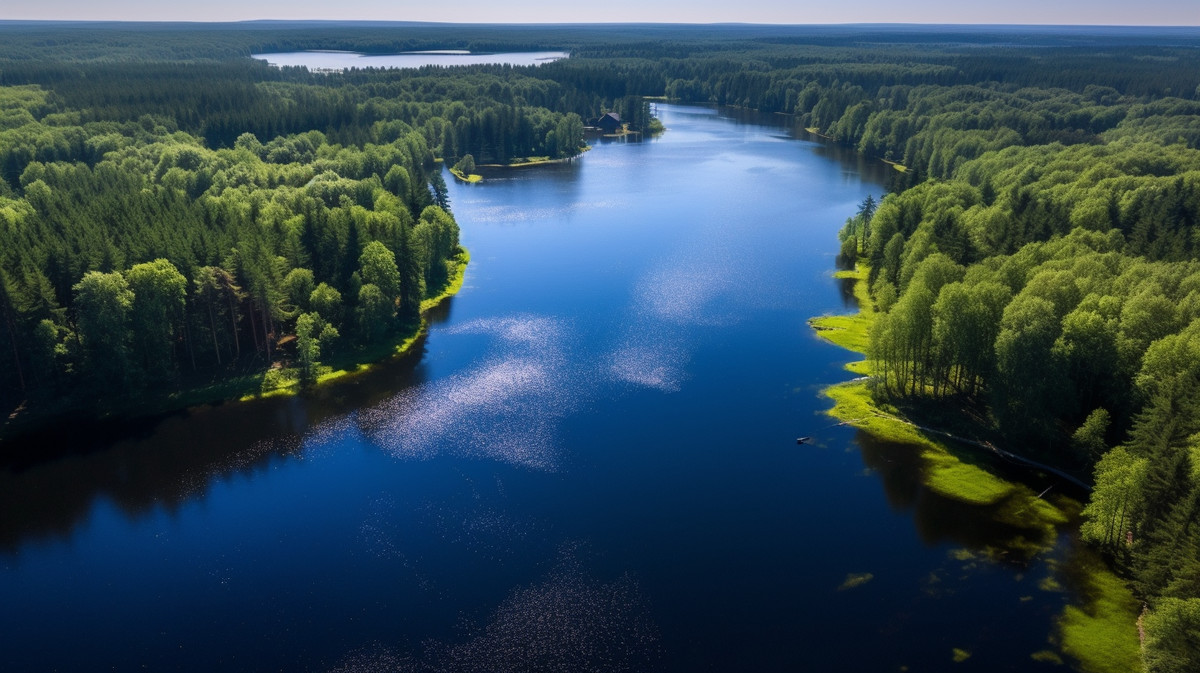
(866, 210)
(1116, 503)
(159, 305)
(377, 266)
(466, 165)
(1087, 351)
(410, 259)
(892, 253)
(441, 195)
(8, 314)
(103, 304)
(1088, 440)
(298, 287)
(216, 295)
(569, 135)
(308, 346)
(1172, 636)
(1026, 379)
(374, 314)
(327, 302)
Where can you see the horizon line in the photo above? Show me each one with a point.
(387, 22)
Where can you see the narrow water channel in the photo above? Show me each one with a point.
(591, 459)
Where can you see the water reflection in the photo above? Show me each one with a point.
(846, 292)
(175, 457)
(939, 519)
(504, 407)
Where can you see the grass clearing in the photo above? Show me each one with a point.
(1102, 633)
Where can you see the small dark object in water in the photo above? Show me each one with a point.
(804, 440)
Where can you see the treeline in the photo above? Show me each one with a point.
(1055, 291)
(149, 260)
(929, 108)
(490, 112)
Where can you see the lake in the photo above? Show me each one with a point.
(341, 60)
(589, 463)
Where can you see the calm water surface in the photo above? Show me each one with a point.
(340, 60)
(591, 460)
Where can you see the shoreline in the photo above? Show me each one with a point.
(1100, 632)
(250, 387)
(469, 179)
(536, 161)
(945, 473)
(383, 352)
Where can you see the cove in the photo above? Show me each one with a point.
(600, 427)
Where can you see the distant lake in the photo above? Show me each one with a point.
(341, 60)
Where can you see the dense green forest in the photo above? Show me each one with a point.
(170, 208)
(151, 242)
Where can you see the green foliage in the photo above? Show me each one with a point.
(377, 266)
(466, 165)
(1088, 439)
(159, 302)
(103, 304)
(1173, 636)
(327, 302)
(374, 314)
(308, 345)
(298, 287)
(220, 250)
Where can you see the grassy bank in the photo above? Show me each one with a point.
(472, 178)
(944, 472)
(252, 383)
(1099, 631)
(521, 162)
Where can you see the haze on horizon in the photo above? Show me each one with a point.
(1025, 12)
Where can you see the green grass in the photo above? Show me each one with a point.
(851, 332)
(472, 178)
(1102, 632)
(947, 475)
(1047, 657)
(454, 284)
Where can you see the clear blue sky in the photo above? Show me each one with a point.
(1091, 12)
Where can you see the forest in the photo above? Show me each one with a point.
(139, 257)
(173, 212)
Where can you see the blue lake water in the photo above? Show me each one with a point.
(589, 464)
(341, 60)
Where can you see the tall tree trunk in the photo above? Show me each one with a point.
(212, 323)
(266, 332)
(237, 345)
(187, 336)
(254, 328)
(12, 333)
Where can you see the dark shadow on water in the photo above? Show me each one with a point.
(846, 292)
(938, 519)
(165, 461)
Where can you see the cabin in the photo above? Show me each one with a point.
(609, 123)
